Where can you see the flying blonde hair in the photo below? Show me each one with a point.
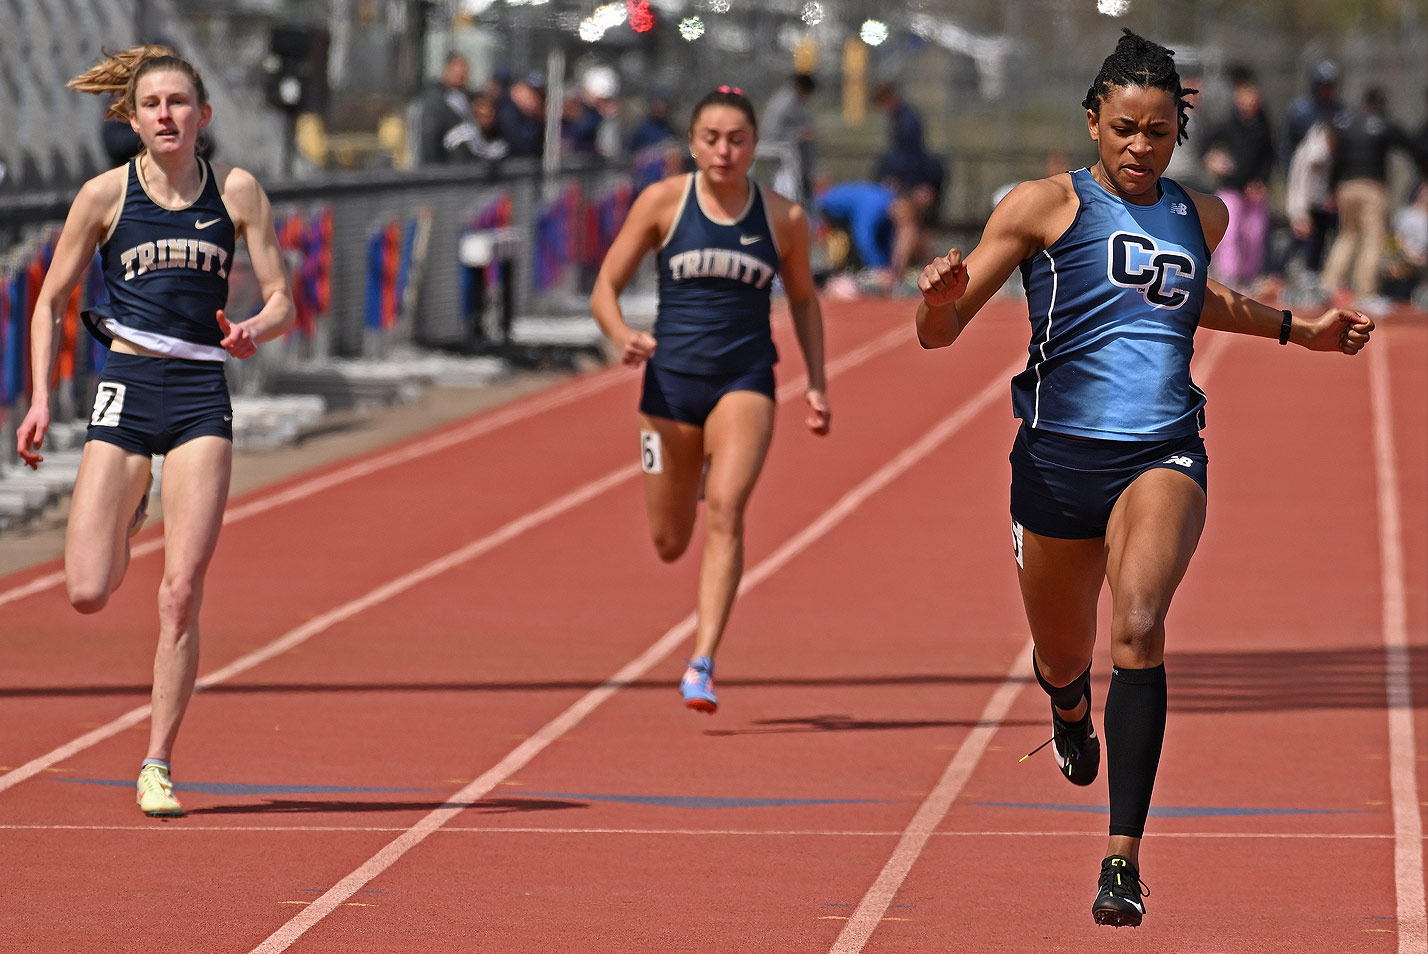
(121, 70)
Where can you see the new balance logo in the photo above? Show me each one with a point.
(750, 239)
(1179, 208)
(1180, 461)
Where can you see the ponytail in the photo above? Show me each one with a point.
(121, 70)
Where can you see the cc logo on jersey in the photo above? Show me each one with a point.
(1135, 261)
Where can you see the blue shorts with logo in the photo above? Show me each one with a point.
(1065, 486)
(691, 397)
(151, 405)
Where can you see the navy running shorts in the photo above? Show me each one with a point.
(690, 398)
(1066, 486)
(151, 405)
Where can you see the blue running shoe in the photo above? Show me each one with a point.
(697, 686)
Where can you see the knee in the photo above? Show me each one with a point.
(178, 600)
(670, 547)
(1061, 668)
(87, 599)
(723, 517)
(1138, 634)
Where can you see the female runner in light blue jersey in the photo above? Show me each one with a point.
(1108, 469)
(165, 224)
(709, 388)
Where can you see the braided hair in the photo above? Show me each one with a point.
(1139, 62)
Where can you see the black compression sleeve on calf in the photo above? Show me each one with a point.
(1134, 731)
(1064, 697)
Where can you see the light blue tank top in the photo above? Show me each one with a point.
(714, 289)
(1114, 304)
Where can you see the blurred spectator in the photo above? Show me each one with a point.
(479, 137)
(1359, 175)
(1308, 202)
(444, 106)
(590, 123)
(788, 120)
(1407, 273)
(884, 228)
(655, 129)
(1187, 166)
(906, 164)
(1239, 153)
(1321, 104)
(520, 115)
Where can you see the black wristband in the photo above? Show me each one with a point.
(1284, 328)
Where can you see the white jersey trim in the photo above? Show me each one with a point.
(716, 219)
(166, 345)
(768, 220)
(1050, 316)
(678, 212)
(119, 212)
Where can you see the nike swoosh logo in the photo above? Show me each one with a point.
(750, 239)
(204, 225)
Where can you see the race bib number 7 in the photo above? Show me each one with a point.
(108, 404)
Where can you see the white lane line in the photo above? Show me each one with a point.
(874, 905)
(520, 756)
(199, 829)
(1403, 780)
(388, 590)
(379, 460)
(382, 459)
(871, 910)
(325, 621)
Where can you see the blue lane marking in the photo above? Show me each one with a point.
(698, 801)
(241, 788)
(1177, 811)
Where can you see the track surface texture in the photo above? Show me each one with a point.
(438, 706)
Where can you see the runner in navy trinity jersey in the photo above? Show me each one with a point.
(165, 224)
(708, 395)
(1109, 473)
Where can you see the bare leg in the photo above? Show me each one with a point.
(672, 493)
(737, 435)
(195, 490)
(1152, 534)
(107, 491)
(1060, 584)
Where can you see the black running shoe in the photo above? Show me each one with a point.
(1077, 749)
(1118, 902)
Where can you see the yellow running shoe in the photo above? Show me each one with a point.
(156, 793)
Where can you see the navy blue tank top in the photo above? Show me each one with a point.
(1114, 304)
(715, 282)
(166, 272)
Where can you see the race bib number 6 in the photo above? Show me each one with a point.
(651, 458)
(108, 404)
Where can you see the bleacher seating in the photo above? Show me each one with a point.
(51, 140)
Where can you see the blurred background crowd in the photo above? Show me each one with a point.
(449, 172)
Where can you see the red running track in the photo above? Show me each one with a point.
(440, 710)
